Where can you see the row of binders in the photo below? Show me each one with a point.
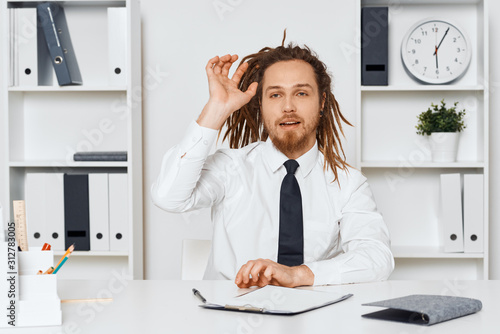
(463, 212)
(88, 210)
(41, 46)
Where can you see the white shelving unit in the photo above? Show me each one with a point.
(397, 161)
(42, 126)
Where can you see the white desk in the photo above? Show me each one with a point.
(170, 307)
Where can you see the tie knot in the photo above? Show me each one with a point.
(291, 166)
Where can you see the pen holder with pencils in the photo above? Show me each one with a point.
(39, 304)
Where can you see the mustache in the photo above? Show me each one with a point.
(289, 119)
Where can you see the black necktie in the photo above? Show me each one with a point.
(291, 239)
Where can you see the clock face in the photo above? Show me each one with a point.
(436, 51)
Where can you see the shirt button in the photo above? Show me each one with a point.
(205, 142)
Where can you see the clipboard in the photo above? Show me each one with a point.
(277, 300)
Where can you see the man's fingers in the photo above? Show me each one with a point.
(245, 271)
(210, 65)
(222, 60)
(256, 269)
(239, 72)
(252, 89)
(268, 273)
(228, 64)
(242, 276)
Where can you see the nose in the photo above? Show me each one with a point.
(288, 105)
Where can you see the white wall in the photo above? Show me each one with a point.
(178, 39)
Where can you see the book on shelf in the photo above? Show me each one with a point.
(101, 156)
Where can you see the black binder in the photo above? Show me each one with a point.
(374, 45)
(76, 211)
(52, 20)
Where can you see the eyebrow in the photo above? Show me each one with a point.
(299, 85)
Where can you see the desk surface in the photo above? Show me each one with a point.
(170, 307)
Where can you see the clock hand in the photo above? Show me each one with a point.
(435, 52)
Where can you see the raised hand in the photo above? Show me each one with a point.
(225, 96)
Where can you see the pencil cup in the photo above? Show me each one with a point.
(39, 304)
(35, 259)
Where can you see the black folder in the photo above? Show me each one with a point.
(76, 211)
(52, 20)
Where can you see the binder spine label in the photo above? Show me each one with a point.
(11, 277)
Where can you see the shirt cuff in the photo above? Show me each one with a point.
(198, 141)
(325, 272)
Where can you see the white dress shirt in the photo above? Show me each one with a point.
(345, 238)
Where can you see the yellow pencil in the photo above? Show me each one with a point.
(69, 251)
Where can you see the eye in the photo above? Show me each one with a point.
(275, 95)
(302, 94)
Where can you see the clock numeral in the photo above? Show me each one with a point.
(418, 41)
(425, 68)
(454, 39)
(435, 29)
(437, 71)
(458, 50)
(424, 33)
(413, 51)
(448, 68)
(456, 60)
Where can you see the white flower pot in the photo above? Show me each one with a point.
(444, 146)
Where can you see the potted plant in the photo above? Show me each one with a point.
(442, 126)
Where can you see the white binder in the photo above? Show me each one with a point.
(117, 46)
(451, 205)
(27, 50)
(54, 204)
(35, 209)
(45, 209)
(473, 213)
(118, 212)
(99, 212)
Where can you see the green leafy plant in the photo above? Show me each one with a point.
(438, 118)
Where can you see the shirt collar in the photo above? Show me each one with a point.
(275, 158)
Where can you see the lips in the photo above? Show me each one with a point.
(284, 122)
(289, 123)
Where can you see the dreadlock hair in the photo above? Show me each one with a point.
(246, 125)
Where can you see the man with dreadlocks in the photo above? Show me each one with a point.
(279, 111)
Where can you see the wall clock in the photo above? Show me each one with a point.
(436, 51)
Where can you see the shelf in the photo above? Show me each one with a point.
(397, 162)
(419, 164)
(93, 253)
(421, 88)
(63, 163)
(420, 2)
(415, 252)
(67, 89)
(67, 3)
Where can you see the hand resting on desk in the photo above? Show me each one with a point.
(262, 272)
